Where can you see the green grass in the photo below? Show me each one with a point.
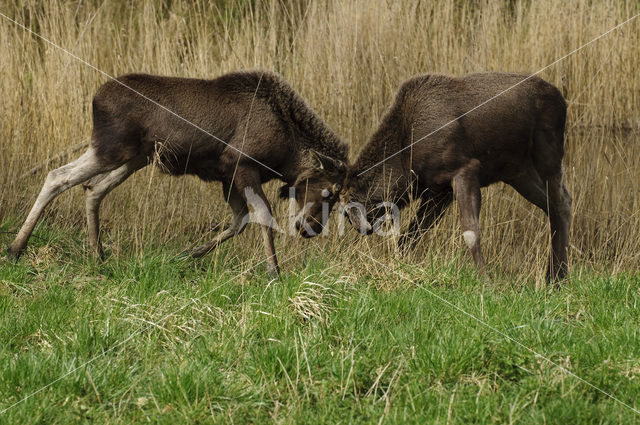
(172, 341)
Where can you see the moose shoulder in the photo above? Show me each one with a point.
(444, 138)
(242, 129)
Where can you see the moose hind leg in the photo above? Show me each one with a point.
(530, 185)
(95, 191)
(59, 180)
(548, 162)
(532, 188)
(466, 188)
(560, 221)
(551, 196)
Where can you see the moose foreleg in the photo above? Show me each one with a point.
(466, 188)
(248, 183)
(238, 224)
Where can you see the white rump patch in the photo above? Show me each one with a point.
(469, 238)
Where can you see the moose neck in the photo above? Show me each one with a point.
(318, 136)
(381, 169)
(310, 131)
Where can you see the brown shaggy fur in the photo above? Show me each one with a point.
(516, 138)
(256, 112)
(243, 129)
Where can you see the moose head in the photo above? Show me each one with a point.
(316, 190)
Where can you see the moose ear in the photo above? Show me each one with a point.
(323, 162)
(286, 192)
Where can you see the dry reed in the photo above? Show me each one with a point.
(346, 58)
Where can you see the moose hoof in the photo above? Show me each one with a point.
(99, 255)
(273, 270)
(183, 255)
(556, 279)
(13, 254)
(198, 252)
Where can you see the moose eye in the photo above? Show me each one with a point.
(326, 193)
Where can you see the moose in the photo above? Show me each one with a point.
(242, 129)
(444, 138)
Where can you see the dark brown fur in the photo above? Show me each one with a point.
(256, 112)
(242, 129)
(516, 138)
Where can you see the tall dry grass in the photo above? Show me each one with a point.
(346, 58)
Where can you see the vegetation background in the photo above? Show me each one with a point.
(347, 58)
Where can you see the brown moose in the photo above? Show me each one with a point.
(445, 138)
(242, 129)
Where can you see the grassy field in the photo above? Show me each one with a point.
(168, 341)
(354, 331)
